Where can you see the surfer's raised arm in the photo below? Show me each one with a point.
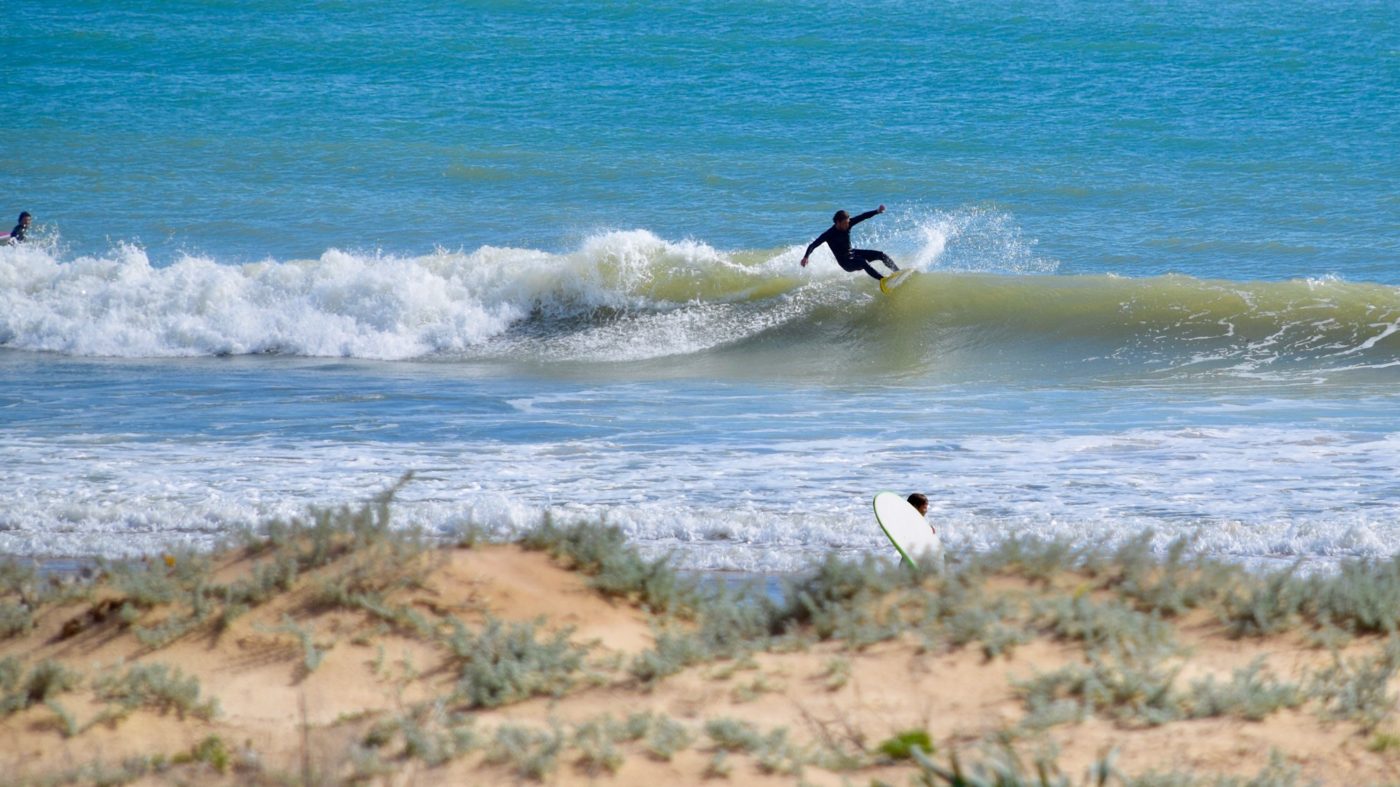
(866, 215)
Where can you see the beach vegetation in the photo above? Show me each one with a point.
(157, 687)
(166, 630)
(728, 669)
(614, 568)
(748, 691)
(672, 652)
(15, 618)
(429, 734)
(665, 737)
(531, 753)
(1007, 768)
(719, 766)
(305, 635)
(1130, 685)
(63, 719)
(19, 579)
(596, 742)
(1384, 743)
(1036, 560)
(1358, 689)
(959, 612)
(1362, 596)
(901, 745)
(1079, 618)
(41, 683)
(435, 746)
(1170, 585)
(992, 626)
(775, 752)
(1250, 694)
(470, 534)
(840, 600)
(211, 751)
(508, 662)
(780, 755)
(734, 735)
(1267, 605)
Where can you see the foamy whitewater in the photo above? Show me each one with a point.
(546, 260)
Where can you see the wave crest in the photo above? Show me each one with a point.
(982, 298)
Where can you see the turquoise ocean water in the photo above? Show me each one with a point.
(545, 256)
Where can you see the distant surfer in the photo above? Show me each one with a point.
(838, 239)
(17, 234)
(920, 504)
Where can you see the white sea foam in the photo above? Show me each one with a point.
(1253, 493)
(668, 297)
(340, 305)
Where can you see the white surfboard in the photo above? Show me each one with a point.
(907, 529)
(895, 280)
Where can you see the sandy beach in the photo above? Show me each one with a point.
(340, 650)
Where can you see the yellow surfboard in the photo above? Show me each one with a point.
(895, 280)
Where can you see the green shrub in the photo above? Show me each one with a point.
(18, 579)
(212, 752)
(1384, 743)
(505, 663)
(44, 682)
(666, 737)
(1265, 605)
(673, 652)
(158, 687)
(1359, 689)
(1362, 596)
(1172, 585)
(596, 742)
(1098, 624)
(836, 601)
(902, 745)
(1248, 696)
(733, 735)
(143, 585)
(534, 754)
(15, 618)
(1007, 769)
(614, 568)
(311, 653)
(1126, 684)
(171, 628)
(959, 612)
(1036, 559)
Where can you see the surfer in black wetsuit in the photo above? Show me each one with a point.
(17, 234)
(838, 239)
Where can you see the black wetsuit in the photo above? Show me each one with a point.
(17, 234)
(839, 241)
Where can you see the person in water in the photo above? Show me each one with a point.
(17, 234)
(838, 239)
(920, 504)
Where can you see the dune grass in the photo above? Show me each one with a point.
(1117, 609)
